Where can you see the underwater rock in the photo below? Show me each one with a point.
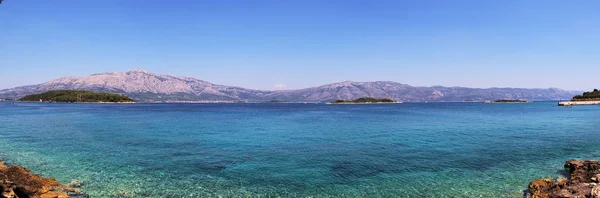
(560, 178)
(583, 182)
(75, 184)
(18, 182)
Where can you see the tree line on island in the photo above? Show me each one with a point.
(507, 101)
(587, 96)
(364, 100)
(76, 96)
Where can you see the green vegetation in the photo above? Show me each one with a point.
(510, 101)
(364, 100)
(276, 101)
(587, 96)
(75, 96)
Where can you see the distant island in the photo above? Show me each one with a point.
(76, 96)
(364, 101)
(276, 101)
(507, 101)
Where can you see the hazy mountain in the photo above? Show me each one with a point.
(386, 89)
(143, 86)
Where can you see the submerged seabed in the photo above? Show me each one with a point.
(298, 150)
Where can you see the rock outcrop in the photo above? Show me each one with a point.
(584, 182)
(18, 182)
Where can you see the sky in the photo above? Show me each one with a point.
(275, 44)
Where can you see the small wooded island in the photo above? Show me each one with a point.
(507, 101)
(365, 100)
(77, 96)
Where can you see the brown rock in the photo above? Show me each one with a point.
(75, 183)
(584, 176)
(54, 195)
(540, 187)
(560, 179)
(595, 192)
(18, 182)
(7, 191)
(596, 178)
(582, 171)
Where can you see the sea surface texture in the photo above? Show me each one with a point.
(298, 150)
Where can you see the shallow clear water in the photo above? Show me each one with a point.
(298, 150)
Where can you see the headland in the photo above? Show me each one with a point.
(587, 98)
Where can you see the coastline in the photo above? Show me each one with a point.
(506, 101)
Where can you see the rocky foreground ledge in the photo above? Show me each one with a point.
(584, 182)
(18, 182)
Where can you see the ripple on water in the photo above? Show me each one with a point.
(245, 150)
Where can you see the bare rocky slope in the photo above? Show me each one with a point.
(144, 86)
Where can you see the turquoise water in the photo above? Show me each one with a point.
(298, 150)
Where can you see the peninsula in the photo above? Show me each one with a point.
(587, 98)
(365, 100)
(77, 96)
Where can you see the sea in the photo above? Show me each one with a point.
(298, 150)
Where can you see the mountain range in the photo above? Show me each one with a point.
(144, 86)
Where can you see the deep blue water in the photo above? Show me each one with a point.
(298, 150)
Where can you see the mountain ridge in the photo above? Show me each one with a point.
(142, 85)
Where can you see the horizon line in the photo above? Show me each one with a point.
(275, 90)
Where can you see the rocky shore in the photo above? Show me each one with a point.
(18, 182)
(584, 182)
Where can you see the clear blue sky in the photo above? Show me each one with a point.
(303, 43)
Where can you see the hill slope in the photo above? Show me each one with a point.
(144, 86)
(384, 89)
(141, 86)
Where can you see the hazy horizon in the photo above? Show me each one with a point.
(285, 88)
(269, 45)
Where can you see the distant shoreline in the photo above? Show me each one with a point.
(506, 101)
(574, 103)
(79, 102)
(407, 102)
(360, 103)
